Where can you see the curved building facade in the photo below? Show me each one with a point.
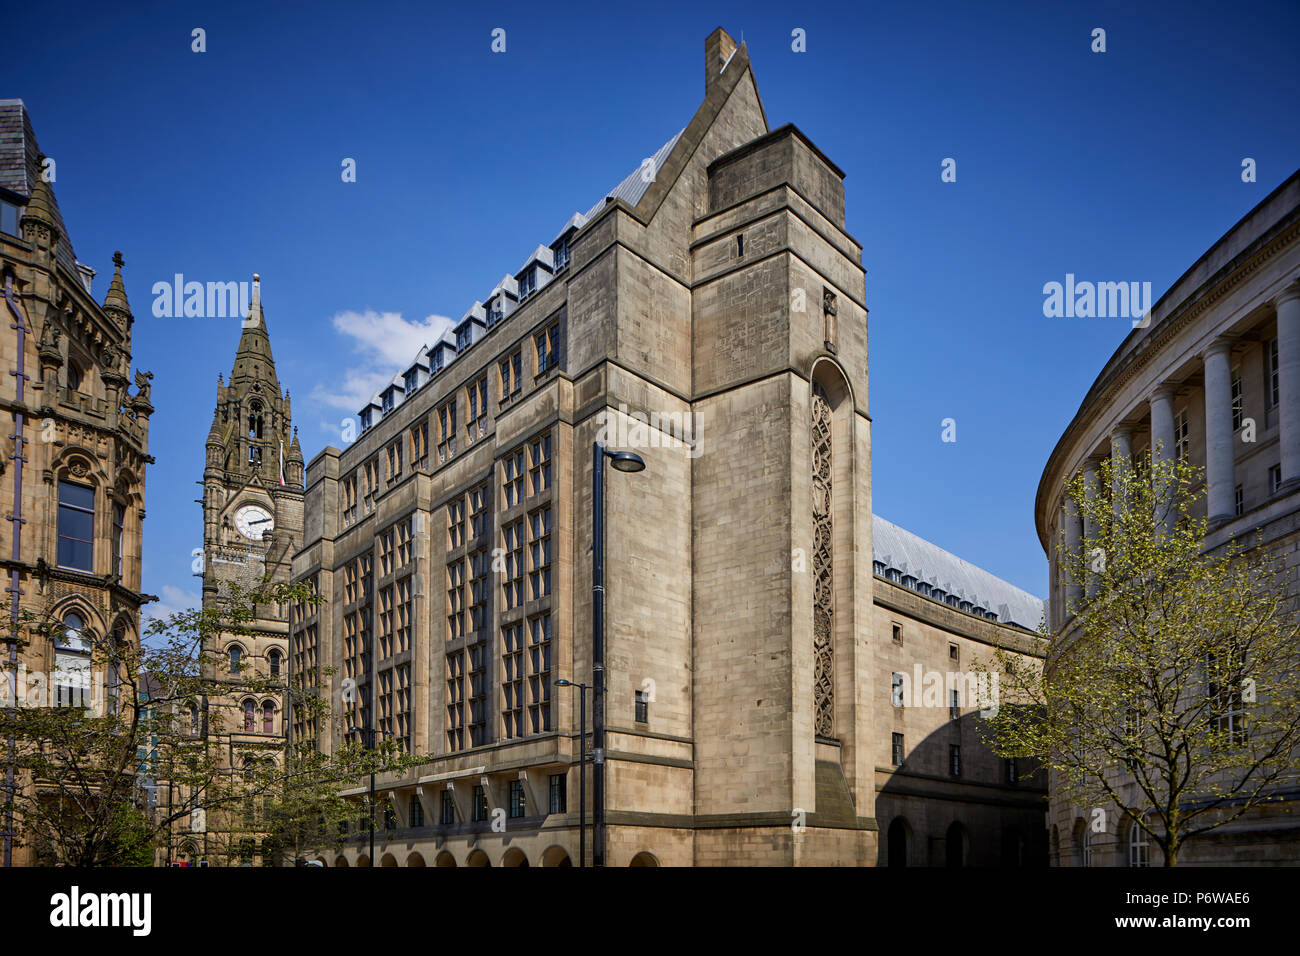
(1213, 377)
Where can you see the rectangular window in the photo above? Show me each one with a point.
(539, 547)
(405, 609)
(642, 713)
(513, 477)
(561, 250)
(349, 499)
(954, 760)
(447, 431)
(370, 472)
(419, 436)
(527, 283)
(1274, 479)
(1273, 366)
(455, 524)
(479, 566)
(477, 695)
(1182, 441)
(898, 633)
(896, 750)
(896, 690)
(548, 349)
(1239, 501)
(539, 673)
(511, 376)
(478, 512)
(480, 804)
(477, 410)
(1237, 407)
(456, 701)
(518, 803)
(76, 526)
(558, 797)
(455, 599)
(448, 809)
(512, 680)
(513, 537)
(954, 704)
(954, 653)
(539, 464)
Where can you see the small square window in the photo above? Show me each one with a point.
(898, 634)
(953, 653)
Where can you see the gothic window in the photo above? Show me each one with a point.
(119, 534)
(76, 526)
(235, 653)
(250, 720)
(274, 658)
(823, 593)
(72, 662)
(255, 420)
(268, 717)
(74, 376)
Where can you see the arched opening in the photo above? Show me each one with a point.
(363, 860)
(1082, 853)
(514, 857)
(341, 860)
(644, 858)
(478, 858)
(268, 716)
(322, 861)
(444, 859)
(415, 859)
(273, 658)
(955, 846)
(388, 860)
(898, 834)
(235, 654)
(556, 856)
(250, 715)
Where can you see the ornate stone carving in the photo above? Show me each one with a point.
(822, 559)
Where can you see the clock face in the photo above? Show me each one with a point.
(253, 521)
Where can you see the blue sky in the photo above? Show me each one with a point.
(1118, 166)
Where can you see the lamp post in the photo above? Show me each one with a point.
(624, 461)
(368, 740)
(582, 764)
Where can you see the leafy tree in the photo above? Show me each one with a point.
(1171, 696)
(112, 767)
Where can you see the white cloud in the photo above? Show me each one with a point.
(173, 600)
(384, 343)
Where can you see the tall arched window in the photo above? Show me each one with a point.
(250, 719)
(72, 662)
(274, 658)
(193, 710)
(236, 652)
(255, 420)
(268, 717)
(76, 526)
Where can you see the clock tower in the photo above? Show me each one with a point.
(252, 525)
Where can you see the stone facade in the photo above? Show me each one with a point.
(715, 296)
(1213, 377)
(72, 480)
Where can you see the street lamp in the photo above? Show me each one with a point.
(624, 461)
(582, 764)
(368, 740)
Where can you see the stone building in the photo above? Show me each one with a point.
(252, 525)
(1212, 378)
(708, 314)
(72, 477)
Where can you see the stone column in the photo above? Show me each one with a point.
(1073, 525)
(1090, 529)
(1121, 455)
(1219, 475)
(1288, 387)
(1162, 442)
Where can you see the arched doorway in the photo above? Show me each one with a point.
(415, 859)
(556, 856)
(341, 860)
(898, 833)
(644, 858)
(478, 858)
(363, 860)
(444, 859)
(514, 857)
(955, 846)
(388, 860)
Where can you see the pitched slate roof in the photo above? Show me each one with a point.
(631, 189)
(898, 548)
(20, 170)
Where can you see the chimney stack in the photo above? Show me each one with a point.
(718, 49)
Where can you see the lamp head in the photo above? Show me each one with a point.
(626, 461)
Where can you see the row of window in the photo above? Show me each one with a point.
(235, 657)
(898, 753)
(914, 583)
(449, 814)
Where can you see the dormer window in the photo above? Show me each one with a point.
(365, 419)
(527, 283)
(464, 336)
(388, 401)
(436, 358)
(412, 380)
(496, 311)
(561, 250)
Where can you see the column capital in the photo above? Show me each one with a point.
(1289, 293)
(1161, 393)
(1221, 345)
(1121, 431)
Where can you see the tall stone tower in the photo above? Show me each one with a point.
(252, 525)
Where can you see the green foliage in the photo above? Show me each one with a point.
(1171, 696)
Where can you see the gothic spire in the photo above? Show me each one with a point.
(116, 297)
(253, 357)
